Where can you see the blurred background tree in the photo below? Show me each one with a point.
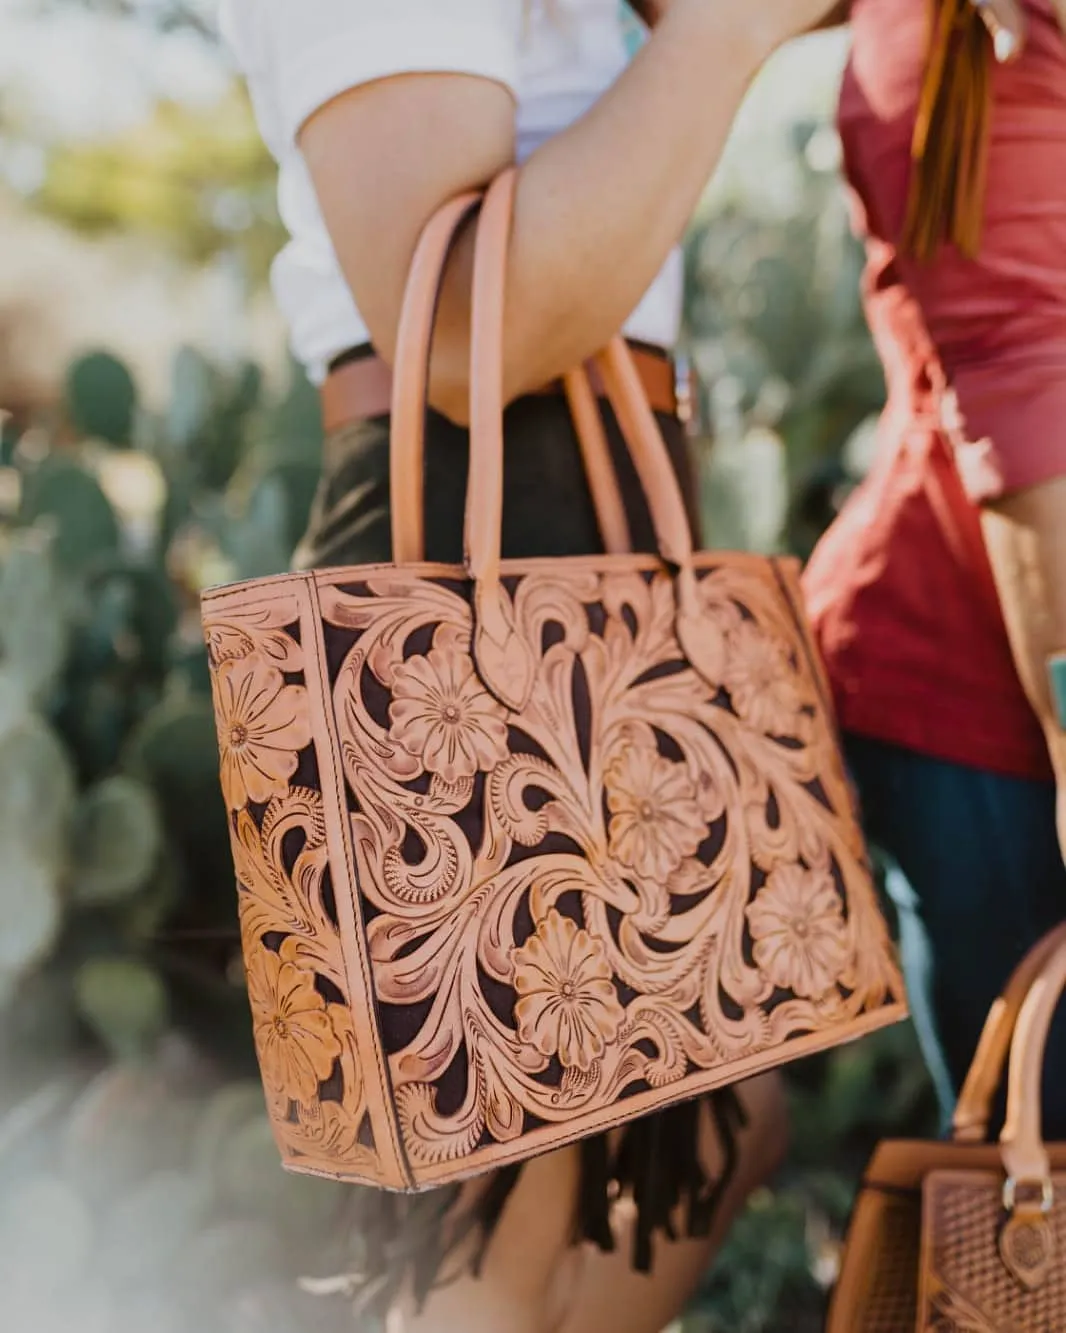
(197, 181)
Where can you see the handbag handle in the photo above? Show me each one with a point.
(1021, 1143)
(414, 338)
(408, 410)
(973, 1111)
(505, 663)
(611, 517)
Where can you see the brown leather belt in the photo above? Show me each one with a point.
(357, 390)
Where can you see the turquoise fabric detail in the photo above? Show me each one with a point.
(634, 31)
(1056, 671)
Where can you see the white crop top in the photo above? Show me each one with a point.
(298, 54)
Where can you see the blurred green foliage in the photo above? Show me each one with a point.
(139, 1183)
(788, 373)
(115, 840)
(198, 181)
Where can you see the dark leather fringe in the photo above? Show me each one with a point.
(408, 1240)
(659, 1164)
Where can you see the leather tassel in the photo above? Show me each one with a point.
(593, 1221)
(410, 1242)
(949, 150)
(660, 1166)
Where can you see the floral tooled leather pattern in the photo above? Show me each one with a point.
(567, 1004)
(443, 718)
(262, 727)
(639, 886)
(297, 986)
(293, 1031)
(797, 924)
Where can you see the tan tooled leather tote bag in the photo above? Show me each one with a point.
(528, 849)
(964, 1235)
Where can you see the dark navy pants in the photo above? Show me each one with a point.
(980, 879)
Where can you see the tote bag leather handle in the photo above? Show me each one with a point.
(504, 661)
(485, 489)
(408, 411)
(606, 493)
(414, 337)
(1021, 1143)
(973, 1112)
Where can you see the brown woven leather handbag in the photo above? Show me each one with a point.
(526, 850)
(967, 1235)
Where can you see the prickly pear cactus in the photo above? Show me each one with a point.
(116, 841)
(102, 398)
(64, 496)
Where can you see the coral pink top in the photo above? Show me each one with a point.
(900, 588)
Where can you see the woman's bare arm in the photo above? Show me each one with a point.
(598, 207)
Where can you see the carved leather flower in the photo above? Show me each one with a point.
(566, 1004)
(798, 928)
(293, 1032)
(262, 725)
(239, 631)
(656, 820)
(443, 716)
(761, 681)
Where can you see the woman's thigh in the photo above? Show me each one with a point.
(980, 854)
(609, 1294)
(534, 1279)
